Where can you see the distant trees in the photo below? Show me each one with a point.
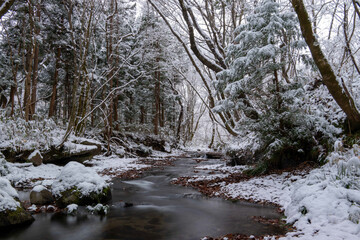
(90, 63)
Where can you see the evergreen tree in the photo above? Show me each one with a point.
(256, 60)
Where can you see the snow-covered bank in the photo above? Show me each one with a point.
(25, 175)
(322, 204)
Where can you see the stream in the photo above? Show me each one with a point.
(161, 211)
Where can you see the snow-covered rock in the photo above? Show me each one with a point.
(40, 195)
(98, 209)
(36, 158)
(11, 211)
(80, 185)
(72, 208)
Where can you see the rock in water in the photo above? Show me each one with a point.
(41, 196)
(11, 211)
(80, 185)
(15, 217)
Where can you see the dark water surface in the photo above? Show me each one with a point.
(160, 211)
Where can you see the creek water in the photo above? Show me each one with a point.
(161, 211)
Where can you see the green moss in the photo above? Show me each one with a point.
(74, 195)
(14, 217)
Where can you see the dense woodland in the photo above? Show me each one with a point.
(279, 75)
(106, 104)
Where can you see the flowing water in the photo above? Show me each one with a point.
(161, 211)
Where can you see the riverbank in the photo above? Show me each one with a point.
(320, 203)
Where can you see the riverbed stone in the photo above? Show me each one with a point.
(15, 217)
(41, 196)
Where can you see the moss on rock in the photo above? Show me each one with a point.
(15, 217)
(74, 196)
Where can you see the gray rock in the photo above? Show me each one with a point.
(41, 197)
(15, 217)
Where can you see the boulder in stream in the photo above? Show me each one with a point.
(80, 185)
(39, 195)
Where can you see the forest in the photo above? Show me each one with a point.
(180, 119)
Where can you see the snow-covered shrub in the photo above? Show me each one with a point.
(21, 135)
(3, 166)
(270, 101)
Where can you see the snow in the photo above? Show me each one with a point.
(72, 208)
(23, 174)
(273, 188)
(32, 208)
(98, 208)
(3, 166)
(208, 178)
(324, 204)
(39, 188)
(114, 165)
(74, 148)
(7, 196)
(19, 135)
(75, 174)
(27, 176)
(223, 168)
(34, 153)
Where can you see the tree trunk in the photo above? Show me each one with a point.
(157, 102)
(5, 6)
(36, 63)
(54, 88)
(142, 115)
(337, 90)
(27, 87)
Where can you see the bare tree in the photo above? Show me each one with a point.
(335, 86)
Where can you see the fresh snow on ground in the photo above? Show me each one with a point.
(113, 165)
(19, 135)
(27, 175)
(223, 168)
(326, 204)
(323, 204)
(24, 174)
(208, 177)
(75, 174)
(272, 188)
